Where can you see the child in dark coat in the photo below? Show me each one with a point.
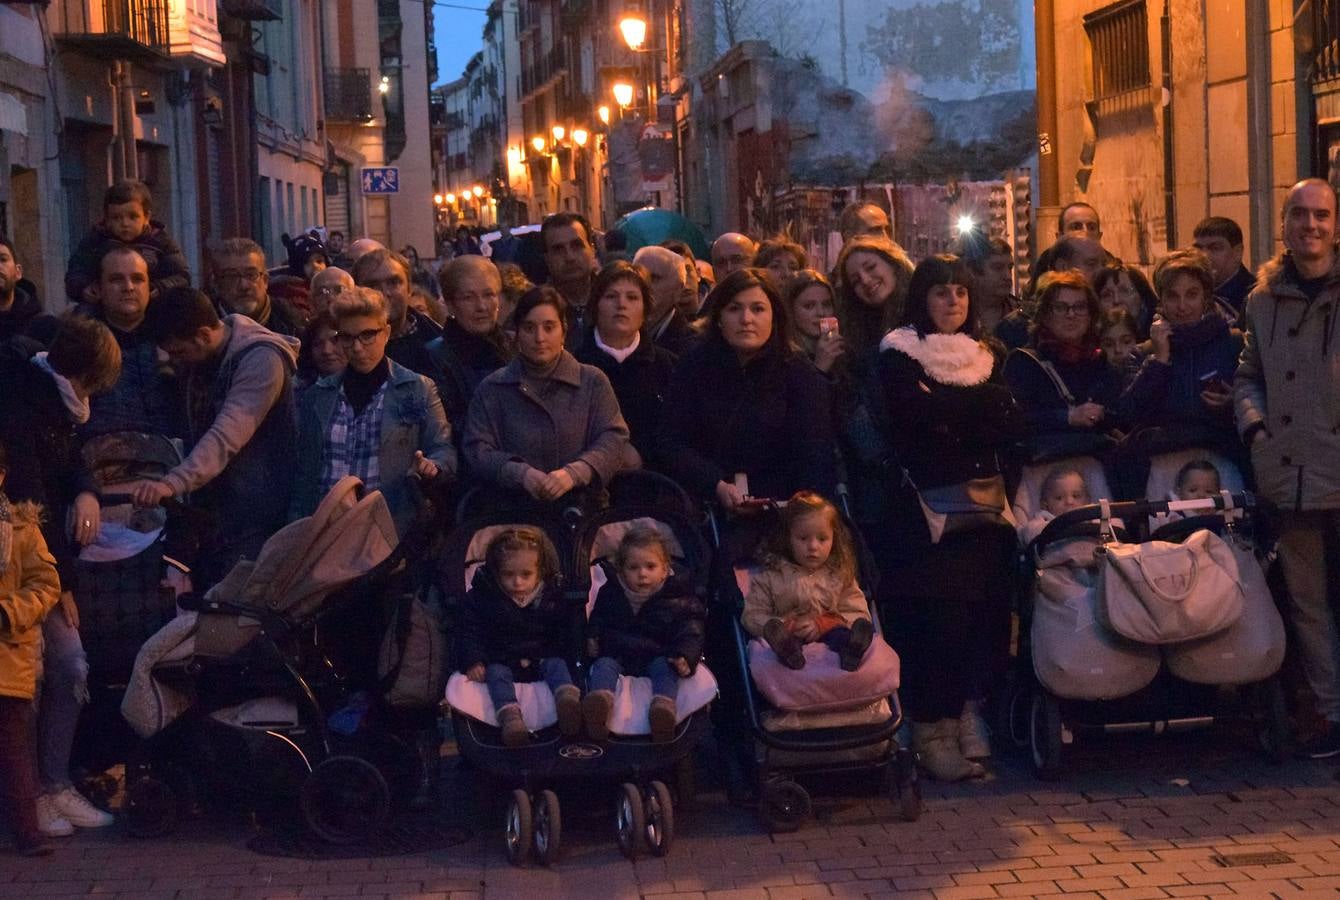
(516, 626)
(126, 208)
(644, 623)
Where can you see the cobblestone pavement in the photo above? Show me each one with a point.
(1135, 816)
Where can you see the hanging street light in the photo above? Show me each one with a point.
(634, 30)
(623, 94)
(580, 136)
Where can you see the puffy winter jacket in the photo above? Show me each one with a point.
(495, 630)
(29, 589)
(670, 623)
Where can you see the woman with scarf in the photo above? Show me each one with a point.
(950, 418)
(44, 403)
(1068, 392)
(1182, 393)
(638, 368)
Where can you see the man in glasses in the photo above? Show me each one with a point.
(389, 274)
(327, 285)
(242, 424)
(242, 287)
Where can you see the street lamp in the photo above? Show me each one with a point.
(623, 94)
(437, 199)
(451, 199)
(477, 191)
(384, 86)
(634, 30)
(580, 136)
(538, 143)
(559, 132)
(604, 113)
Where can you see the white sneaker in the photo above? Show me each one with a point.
(49, 820)
(76, 809)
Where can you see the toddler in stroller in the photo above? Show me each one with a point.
(807, 590)
(643, 623)
(513, 627)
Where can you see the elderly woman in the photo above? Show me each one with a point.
(545, 423)
(950, 418)
(1062, 380)
(1183, 387)
(473, 345)
(375, 419)
(782, 258)
(638, 368)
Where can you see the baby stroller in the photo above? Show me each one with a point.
(270, 680)
(126, 583)
(820, 720)
(643, 803)
(1085, 667)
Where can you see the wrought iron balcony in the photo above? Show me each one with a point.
(135, 30)
(348, 95)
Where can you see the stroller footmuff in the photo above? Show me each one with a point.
(629, 761)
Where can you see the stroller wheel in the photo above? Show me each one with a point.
(518, 833)
(344, 799)
(1014, 713)
(548, 829)
(660, 813)
(783, 805)
(151, 807)
(1044, 735)
(904, 785)
(629, 821)
(1275, 734)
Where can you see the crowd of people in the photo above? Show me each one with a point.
(752, 377)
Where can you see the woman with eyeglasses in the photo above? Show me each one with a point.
(1062, 381)
(375, 419)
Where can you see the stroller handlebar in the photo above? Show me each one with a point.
(1064, 525)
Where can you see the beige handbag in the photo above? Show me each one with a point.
(1164, 593)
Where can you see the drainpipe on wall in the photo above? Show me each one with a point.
(127, 158)
(1049, 166)
(1169, 160)
(1259, 146)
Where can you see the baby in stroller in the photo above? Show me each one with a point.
(644, 623)
(807, 590)
(514, 626)
(1064, 489)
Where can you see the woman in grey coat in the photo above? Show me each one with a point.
(376, 419)
(544, 424)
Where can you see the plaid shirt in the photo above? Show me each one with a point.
(353, 444)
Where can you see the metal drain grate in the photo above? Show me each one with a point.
(417, 834)
(1238, 860)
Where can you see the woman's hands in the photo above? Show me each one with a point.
(87, 518)
(680, 665)
(1216, 400)
(1086, 415)
(828, 350)
(547, 485)
(1160, 335)
(729, 496)
(423, 467)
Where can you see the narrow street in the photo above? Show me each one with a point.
(1137, 816)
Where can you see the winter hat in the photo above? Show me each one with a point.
(301, 249)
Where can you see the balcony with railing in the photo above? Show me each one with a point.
(133, 30)
(548, 67)
(1326, 38)
(348, 95)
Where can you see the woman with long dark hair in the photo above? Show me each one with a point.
(950, 417)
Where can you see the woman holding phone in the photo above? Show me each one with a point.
(1186, 367)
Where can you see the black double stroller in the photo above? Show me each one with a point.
(1077, 674)
(629, 762)
(273, 685)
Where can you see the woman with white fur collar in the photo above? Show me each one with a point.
(950, 418)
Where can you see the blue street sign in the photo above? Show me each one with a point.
(381, 180)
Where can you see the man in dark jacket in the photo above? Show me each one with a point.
(242, 286)
(570, 255)
(1220, 239)
(19, 309)
(242, 423)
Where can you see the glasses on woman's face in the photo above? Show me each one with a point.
(364, 338)
(1070, 309)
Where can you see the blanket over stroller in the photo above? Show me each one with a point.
(298, 568)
